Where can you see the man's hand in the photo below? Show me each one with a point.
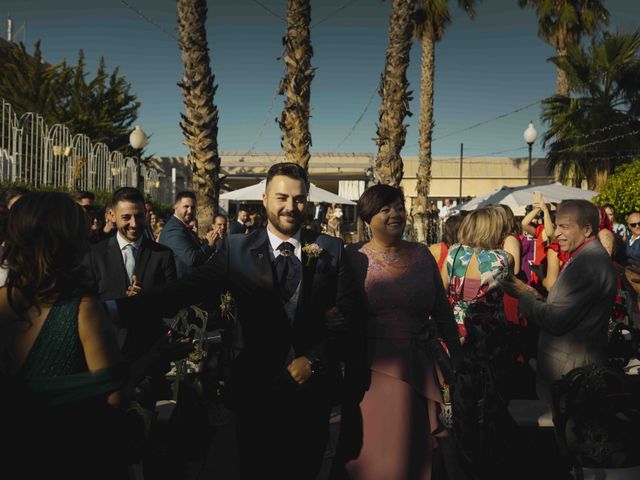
(515, 287)
(212, 236)
(634, 266)
(300, 369)
(135, 288)
(632, 271)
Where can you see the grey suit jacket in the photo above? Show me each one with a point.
(573, 319)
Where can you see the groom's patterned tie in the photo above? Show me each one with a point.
(288, 269)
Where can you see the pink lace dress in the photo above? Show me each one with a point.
(400, 408)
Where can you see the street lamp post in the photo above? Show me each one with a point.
(530, 136)
(138, 139)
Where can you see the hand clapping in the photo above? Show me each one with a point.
(135, 288)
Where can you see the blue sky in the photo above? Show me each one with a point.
(486, 67)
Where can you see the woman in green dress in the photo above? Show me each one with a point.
(58, 349)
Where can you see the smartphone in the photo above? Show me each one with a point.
(537, 198)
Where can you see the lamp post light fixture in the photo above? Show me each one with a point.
(138, 140)
(530, 136)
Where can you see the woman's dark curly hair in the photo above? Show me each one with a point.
(46, 239)
(5, 197)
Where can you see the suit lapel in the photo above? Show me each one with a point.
(308, 270)
(114, 256)
(261, 260)
(142, 260)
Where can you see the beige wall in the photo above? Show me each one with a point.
(480, 175)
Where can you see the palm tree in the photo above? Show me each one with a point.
(597, 128)
(200, 122)
(562, 23)
(431, 20)
(296, 84)
(394, 97)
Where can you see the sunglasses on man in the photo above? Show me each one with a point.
(634, 225)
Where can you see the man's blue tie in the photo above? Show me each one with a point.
(129, 261)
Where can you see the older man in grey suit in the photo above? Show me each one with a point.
(573, 319)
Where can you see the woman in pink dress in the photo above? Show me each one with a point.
(389, 430)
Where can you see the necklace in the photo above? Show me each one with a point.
(390, 259)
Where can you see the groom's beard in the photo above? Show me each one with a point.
(284, 226)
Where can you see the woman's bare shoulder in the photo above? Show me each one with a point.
(6, 312)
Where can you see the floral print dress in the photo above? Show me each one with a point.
(483, 310)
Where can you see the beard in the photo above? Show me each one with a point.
(131, 235)
(285, 227)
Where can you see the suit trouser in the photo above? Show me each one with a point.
(282, 435)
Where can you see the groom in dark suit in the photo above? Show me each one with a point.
(284, 281)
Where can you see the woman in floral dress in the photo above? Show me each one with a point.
(471, 275)
(472, 270)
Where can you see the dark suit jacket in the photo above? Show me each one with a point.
(244, 267)
(236, 227)
(322, 213)
(107, 276)
(187, 249)
(573, 319)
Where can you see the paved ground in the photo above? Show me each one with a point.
(221, 461)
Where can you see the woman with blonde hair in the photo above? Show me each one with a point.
(472, 270)
(471, 274)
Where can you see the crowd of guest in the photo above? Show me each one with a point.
(430, 345)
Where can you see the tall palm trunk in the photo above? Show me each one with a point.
(562, 81)
(426, 125)
(200, 122)
(296, 84)
(394, 104)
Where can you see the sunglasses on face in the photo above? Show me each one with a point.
(634, 225)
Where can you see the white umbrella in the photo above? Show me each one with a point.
(519, 197)
(254, 193)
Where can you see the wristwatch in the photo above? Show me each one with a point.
(317, 366)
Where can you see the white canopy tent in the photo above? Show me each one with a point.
(254, 193)
(519, 197)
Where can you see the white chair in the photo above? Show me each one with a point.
(630, 473)
(531, 413)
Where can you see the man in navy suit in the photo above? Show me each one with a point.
(284, 280)
(128, 263)
(189, 251)
(239, 225)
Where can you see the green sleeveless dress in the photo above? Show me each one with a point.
(55, 368)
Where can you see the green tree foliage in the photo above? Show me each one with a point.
(562, 23)
(31, 85)
(102, 107)
(596, 128)
(622, 189)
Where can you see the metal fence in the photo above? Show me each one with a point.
(38, 154)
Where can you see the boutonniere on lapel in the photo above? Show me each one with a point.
(313, 251)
